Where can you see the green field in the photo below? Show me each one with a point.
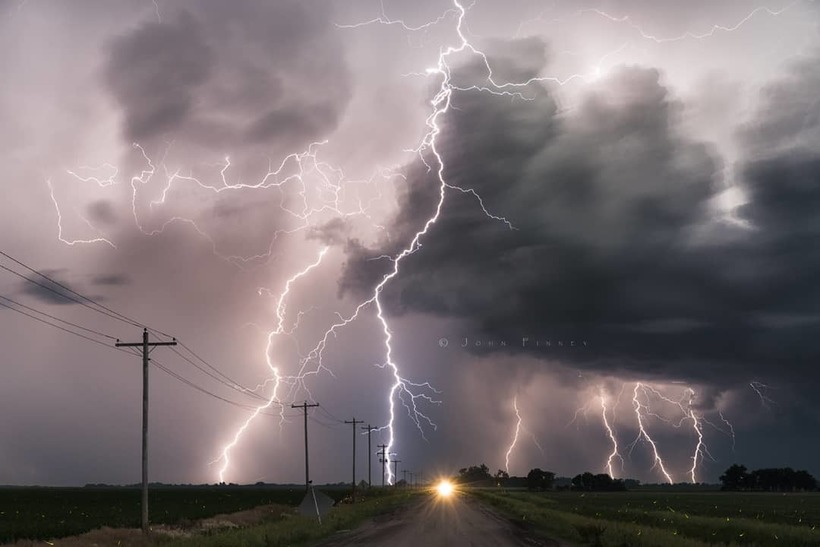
(44, 513)
(669, 519)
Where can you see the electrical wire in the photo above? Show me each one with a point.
(98, 333)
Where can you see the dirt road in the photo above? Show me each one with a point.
(458, 521)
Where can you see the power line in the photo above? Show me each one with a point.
(66, 296)
(227, 379)
(98, 333)
(331, 416)
(205, 391)
(230, 383)
(100, 308)
(55, 326)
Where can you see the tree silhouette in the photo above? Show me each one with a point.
(540, 480)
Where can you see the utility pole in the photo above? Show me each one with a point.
(304, 406)
(354, 422)
(404, 474)
(382, 458)
(145, 345)
(369, 429)
(396, 470)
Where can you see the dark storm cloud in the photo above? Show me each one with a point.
(605, 200)
(111, 280)
(154, 74)
(223, 75)
(57, 292)
(332, 232)
(103, 212)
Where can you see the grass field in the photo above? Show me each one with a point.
(299, 530)
(669, 519)
(44, 513)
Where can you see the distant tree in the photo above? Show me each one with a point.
(773, 479)
(475, 474)
(784, 479)
(631, 484)
(805, 481)
(501, 477)
(736, 477)
(538, 479)
(583, 481)
(597, 483)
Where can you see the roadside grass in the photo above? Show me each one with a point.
(612, 520)
(297, 530)
(48, 513)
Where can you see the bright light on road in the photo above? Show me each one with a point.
(444, 488)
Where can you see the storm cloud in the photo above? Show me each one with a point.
(605, 202)
(250, 73)
(185, 160)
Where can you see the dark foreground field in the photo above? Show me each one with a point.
(398, 517)
(45, 513)
(664, 518)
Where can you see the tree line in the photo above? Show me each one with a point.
(781, 479)
(538, 479)
(735, 478)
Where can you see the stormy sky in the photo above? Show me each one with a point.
(624, 196)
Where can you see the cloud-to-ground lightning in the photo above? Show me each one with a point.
(519, 428)
(280, 328)
(611, 434)
(640, 409)
(515, 435)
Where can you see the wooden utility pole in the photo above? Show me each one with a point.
(354, 422)
(382, 458)
(396, 471)
(304, 406)
(146, 346)
(369, 429)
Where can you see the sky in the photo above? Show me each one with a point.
(578, 236)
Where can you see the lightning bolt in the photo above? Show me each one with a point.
(515, 438)
(519, 428)
(72, 242)
(760, 388)
(699, 448)
(272, 400)
(642, 433)
(687, 35)
(731, 428)
(614, 454)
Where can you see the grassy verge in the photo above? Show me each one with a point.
(621, 526)
(298, 530)
(45, 513)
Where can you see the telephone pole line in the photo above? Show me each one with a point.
(382, 458)
(354, 422)
(369, 429)
(304, 406)
(146, 346)
(396, 471)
